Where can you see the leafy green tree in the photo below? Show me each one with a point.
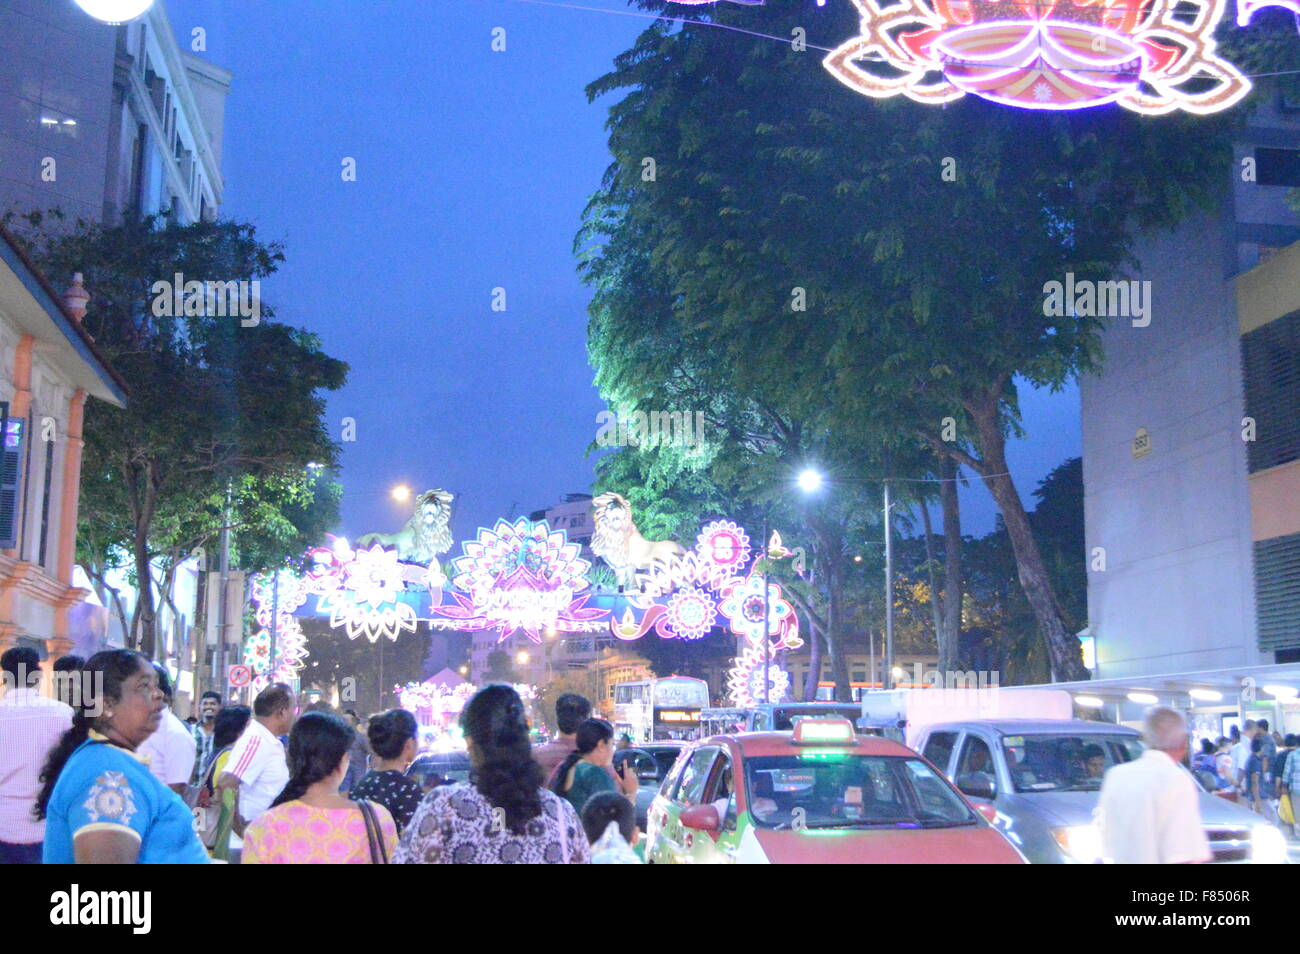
(218, 405)
(798, 259)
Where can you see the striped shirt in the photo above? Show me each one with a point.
(258, 761)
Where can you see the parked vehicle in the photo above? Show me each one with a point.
(776, 716)
(440, 768)
(818, 794)
(652, 762)
(1043, 779)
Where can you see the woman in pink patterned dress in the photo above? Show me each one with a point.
(310, 823)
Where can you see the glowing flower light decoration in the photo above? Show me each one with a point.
(690, 614)
(521, 576)
(368, 604)
(745, 680)
(1149, 56)
(742, 604)
(282, 593)
(724, 543)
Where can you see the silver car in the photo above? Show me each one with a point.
(1043, 777)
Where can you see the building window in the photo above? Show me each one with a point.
(45, 500)
(1270, 358)
(11, 474)
(1277, 167)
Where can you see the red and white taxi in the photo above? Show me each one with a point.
(819, 794)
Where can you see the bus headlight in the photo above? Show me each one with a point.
(1081, 843)
(1267, 846)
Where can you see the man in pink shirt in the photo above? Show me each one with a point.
(570, 712)
(30, 725)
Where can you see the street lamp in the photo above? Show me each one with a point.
(810, 480)
(114, 12)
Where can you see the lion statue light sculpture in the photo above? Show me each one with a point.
(617, 540)
(425, 536)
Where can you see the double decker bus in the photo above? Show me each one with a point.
(666, 708)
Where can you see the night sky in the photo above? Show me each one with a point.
(473, 168)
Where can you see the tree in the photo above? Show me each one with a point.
(221, 407)
(797, 257)
(500, 668)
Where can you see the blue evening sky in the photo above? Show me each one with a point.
(473, 167)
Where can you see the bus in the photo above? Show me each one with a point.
(667, 708)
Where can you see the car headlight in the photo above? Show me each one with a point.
(1081, 843)
(1267, 846)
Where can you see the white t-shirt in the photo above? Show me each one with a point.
(171, 750)
(1240, 756)
(1149, 813)
(258, 760)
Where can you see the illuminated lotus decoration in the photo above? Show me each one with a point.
(291, 645)
(742, 604)
(745, 680)
(366, 600)
(521, 576)
(1150, 56)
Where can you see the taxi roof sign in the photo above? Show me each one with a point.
(819, 730)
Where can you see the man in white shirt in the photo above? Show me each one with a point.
(171, 749)
(1149, 812)
(257, 766)
(1241, 754)
(30, 725)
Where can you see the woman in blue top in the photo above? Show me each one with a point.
(100, 802)
(589, 768)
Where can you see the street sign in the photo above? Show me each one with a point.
(239, 676)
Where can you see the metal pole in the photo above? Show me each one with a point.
(889, 593)
(275, 615)
(767, 648)
(224, 582)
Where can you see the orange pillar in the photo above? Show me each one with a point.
(68, 502)
(18, 407)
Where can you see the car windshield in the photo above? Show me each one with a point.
(785, 717)
(814, 790)
(1065, 763)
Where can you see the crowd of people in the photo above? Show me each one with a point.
(113, 776)
(110, 775)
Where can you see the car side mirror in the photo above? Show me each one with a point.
(977, 786)
(701, 818)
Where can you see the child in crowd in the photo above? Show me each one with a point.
(609, 820)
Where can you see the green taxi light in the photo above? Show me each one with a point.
(823, 731)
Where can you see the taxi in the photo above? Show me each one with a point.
(819, 794)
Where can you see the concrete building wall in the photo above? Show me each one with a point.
(1171, 515)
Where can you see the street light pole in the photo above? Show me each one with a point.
(888, 679)
(767, 649)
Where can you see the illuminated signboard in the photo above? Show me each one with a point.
(677, 715)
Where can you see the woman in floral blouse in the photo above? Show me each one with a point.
(502, 815)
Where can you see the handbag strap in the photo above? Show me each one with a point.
(374, 835)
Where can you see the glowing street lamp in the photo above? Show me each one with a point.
(522, 658)
(114, 11)
(810, 481)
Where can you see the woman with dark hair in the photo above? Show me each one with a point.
(310, 823)
(100, 802)
(394, 747)
(589, 768)
(228, 726)
(502, 815)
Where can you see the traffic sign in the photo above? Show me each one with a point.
(239, 675)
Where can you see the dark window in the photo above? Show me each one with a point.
(45, 497)
(1277, 167)
(938, 749)
(1277, 593)
(1271, 371)
(11, 478)
(696, 775)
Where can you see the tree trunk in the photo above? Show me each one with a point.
(936, 614)
(814, 664)
(1062, 646)
(953, 584)
(834, 635)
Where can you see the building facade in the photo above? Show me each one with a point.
(51, 368)
(1190, 448)
(99, 120)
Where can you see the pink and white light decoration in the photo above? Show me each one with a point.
(745, 680)
(520, 576)
(290, 645)
(1149, 56)
(362, 598)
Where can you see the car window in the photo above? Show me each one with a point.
(721, 792)
(975, 765)
(695, 776)
(666, 758)
(669, 787)
(1044, 762)
(938, 749)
